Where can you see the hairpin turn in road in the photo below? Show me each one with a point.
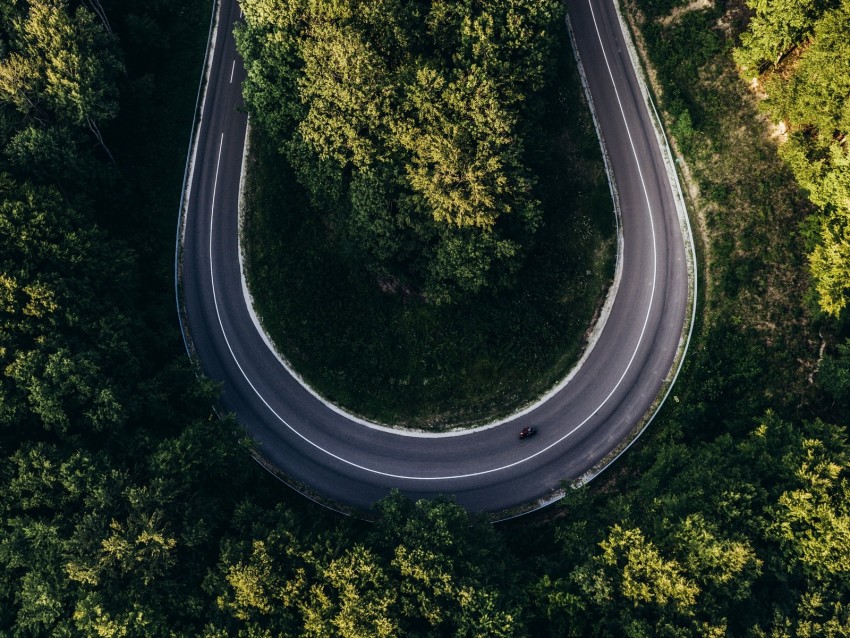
(621, 377)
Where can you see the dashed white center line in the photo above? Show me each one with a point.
(232, 69)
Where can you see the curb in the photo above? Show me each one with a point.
(690, 249)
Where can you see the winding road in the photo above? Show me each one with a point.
(605, 401)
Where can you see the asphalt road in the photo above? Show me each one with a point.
(487, 469)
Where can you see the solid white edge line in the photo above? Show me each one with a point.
(189, 169)
(531, 456)
(688, 237)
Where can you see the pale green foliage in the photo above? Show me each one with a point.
(830, 262)
(142, 546)
(813, 523)
(816, 96)
(353, 598)
(62, 64)
(57, 382)
(266, 577)
(93, 617)
(826, 178)
(466, 163)
(645, 576)
(346, 100)
(256, 588)
(41, 480)
(271, 60)
(47, 356)
(424, 102)
(424, 571)
(447, 568)
(714, 560)
(776, 27)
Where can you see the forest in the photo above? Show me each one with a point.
(131, 508)
(409, 123)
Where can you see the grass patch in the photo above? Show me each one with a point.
(389, 357)
(757, 341)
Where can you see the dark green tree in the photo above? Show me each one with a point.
(61, 66)
(56, 272)
(427, 106)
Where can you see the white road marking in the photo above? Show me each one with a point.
(520, 461)
(232, 69)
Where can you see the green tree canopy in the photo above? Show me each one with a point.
(54, 272)
(776, 27)
(60, 66)
(426, 103)
(812, 97)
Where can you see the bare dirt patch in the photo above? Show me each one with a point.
(678, 12)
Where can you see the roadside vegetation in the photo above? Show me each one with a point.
(129, 509)
(805, 76)
(726, 517)
(394, 305)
